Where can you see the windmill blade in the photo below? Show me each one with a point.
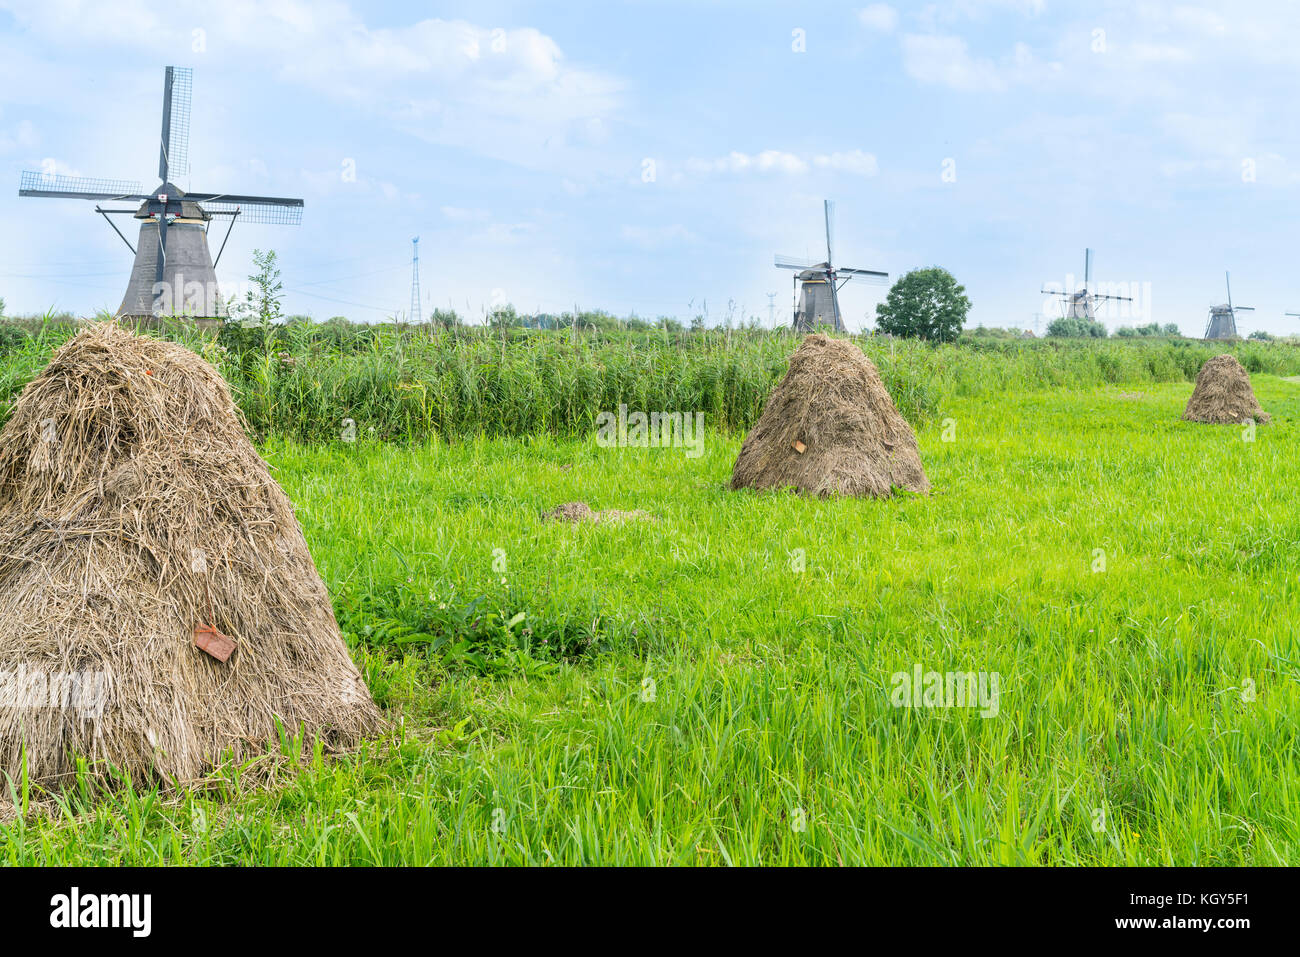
(1227, 277)
(270, 210)
(77, 187)
(830, 231)
(1097, 295)
(794, 262)
(1243, 309)
(872, 277)
(174, 157)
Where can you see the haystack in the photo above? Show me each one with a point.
(1223, 395)
(133, 511)
(830, 428)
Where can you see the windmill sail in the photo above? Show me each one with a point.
(270, 210)
(174, 161)
(57, 186)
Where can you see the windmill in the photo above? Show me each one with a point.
(1223, 318)
(174, 273)
(820, 283)
(1081, 303)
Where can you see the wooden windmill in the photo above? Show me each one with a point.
(174, 273)
(1082, 303)
(1223, 318)
(817, 284)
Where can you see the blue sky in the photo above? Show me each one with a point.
(652, 157)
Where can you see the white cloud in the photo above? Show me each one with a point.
(879, 16)
(56, 167)
(656, 237)
(507, 92)
(22, 136)
(854, 161)
(506, 234)
(768, 161)
(1142, 52)
(980, 9)
(946, 61)
(458, 214)
(1198, 20)
(781, 162)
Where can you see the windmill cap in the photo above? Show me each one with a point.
(177, 204)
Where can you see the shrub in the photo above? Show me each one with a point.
(1076, 327)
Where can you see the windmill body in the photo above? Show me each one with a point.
(1081, 305)
(189, 278)
(1222, 323)
(817, 284)
(174, 273)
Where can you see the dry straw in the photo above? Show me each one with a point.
(1223, 395)
(830, 428)
(132, 509)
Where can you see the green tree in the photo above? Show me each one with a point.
(924, 304)
(262, 303)
(1076, 327)
(504, 317)
(251, 325)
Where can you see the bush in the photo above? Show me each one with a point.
(1076, 327)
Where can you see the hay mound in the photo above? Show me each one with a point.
(575, 512)
(830, 428)
(1223, 395)
(133, 508)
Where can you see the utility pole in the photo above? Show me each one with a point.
(416, 318)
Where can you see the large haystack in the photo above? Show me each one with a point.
(134, 509)
(831, 428)
(1223, 395)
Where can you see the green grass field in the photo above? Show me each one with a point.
(680, 692)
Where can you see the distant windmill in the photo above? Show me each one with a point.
(174, 273)
(820, 283)
(1081, 303)
(1223, 318)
